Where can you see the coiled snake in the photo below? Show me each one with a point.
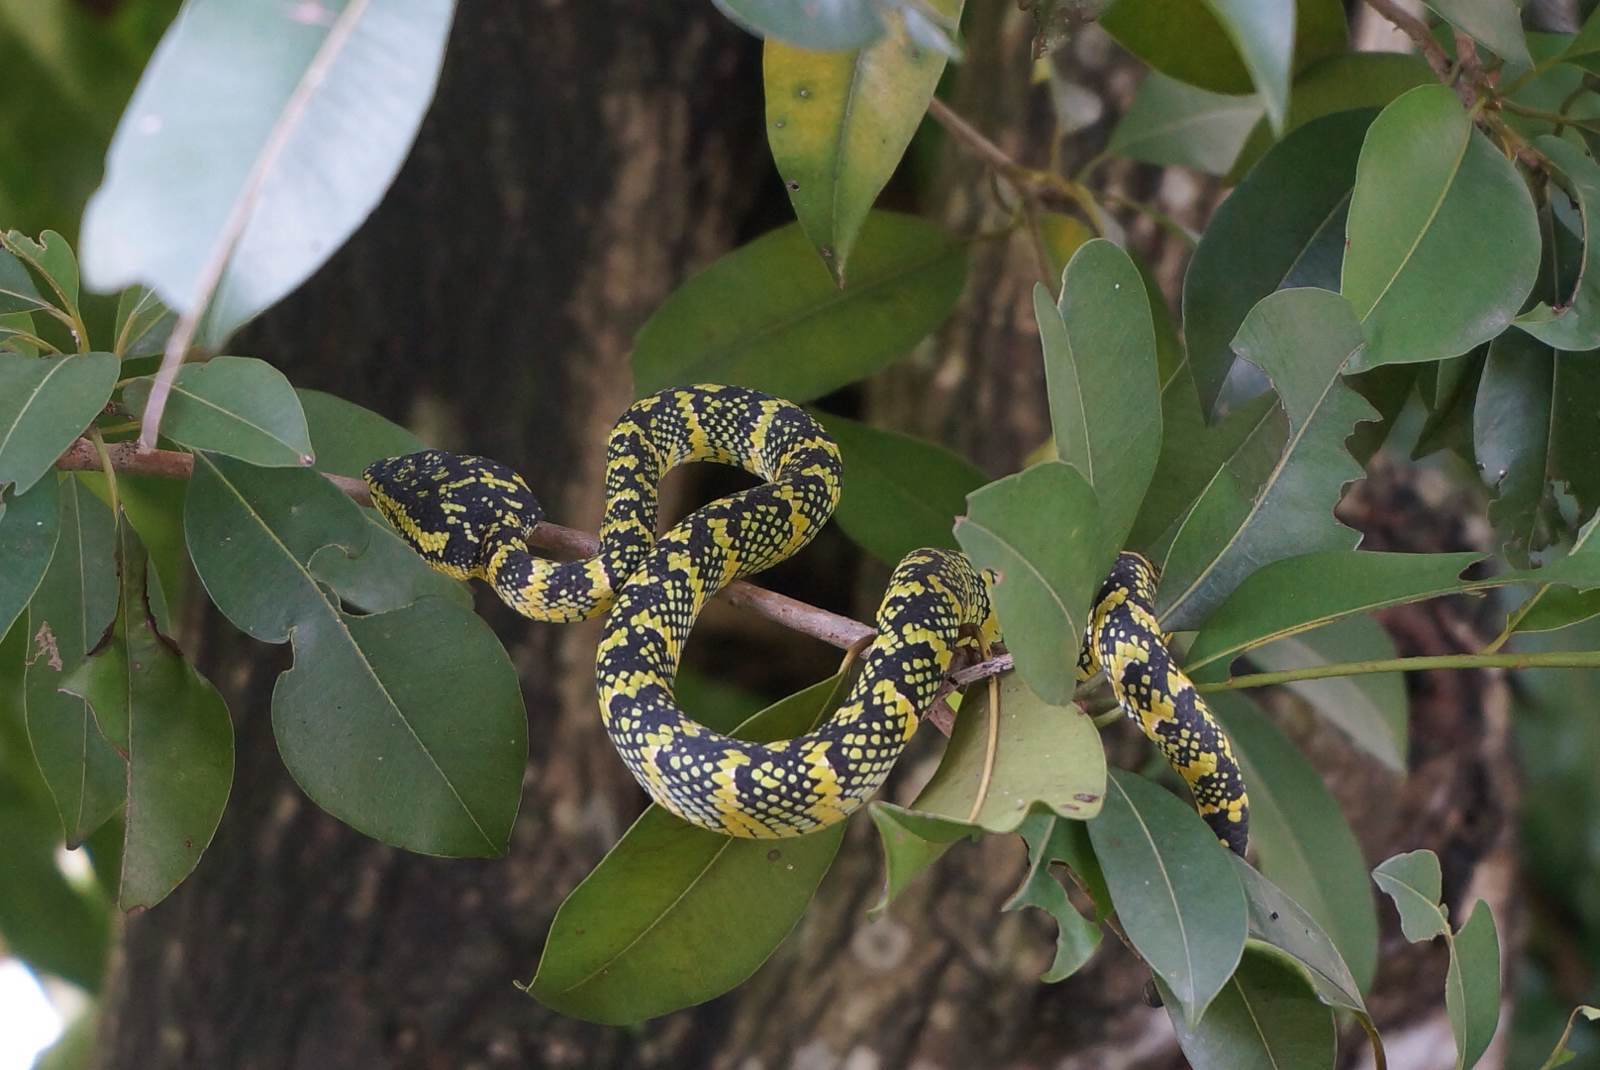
(470, 517)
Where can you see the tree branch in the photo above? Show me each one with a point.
(792, 613)
(1431, 50)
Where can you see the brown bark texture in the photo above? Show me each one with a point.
(580, 161)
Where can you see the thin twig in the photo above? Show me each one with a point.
(798, 616)
(1431, 50)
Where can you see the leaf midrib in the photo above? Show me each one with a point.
(1172, 892)
(339, 621)
(178, 388)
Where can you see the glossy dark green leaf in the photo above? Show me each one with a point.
(143, 323)
(1575, 326)
(1442, 241)
(768, 315)
(1046, 756)
(1170, 124)
(1303, 842)
(171, 728)
(1304, 340)
(29, 525)
(1282, 227)
(304, 120)
(1472, 986)
(45, 403)
(828, 26)
(674, 914)
(69, 613)
(407, 724)
(1039, 531)
(1279, 921)
(1228, 46)
(1175, 889)
(1193, 453)
(838, 123)
(18, 293)
(1413, 881)
(1347, 81)
(1536, 433)
(237, 406)
(911, 843)
(346, 437)
(1051, 839)
(1371, 708)
(1104, 388)
(1265, 1018)
(1496, 24)
(900, 493)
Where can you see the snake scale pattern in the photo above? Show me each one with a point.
(470, 517)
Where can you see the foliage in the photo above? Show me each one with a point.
(1393, 244)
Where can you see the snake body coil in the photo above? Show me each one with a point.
(470, 517)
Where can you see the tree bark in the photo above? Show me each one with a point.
(582, 159)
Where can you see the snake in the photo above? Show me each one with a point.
(471, 517)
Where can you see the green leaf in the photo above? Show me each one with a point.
(1472, 986)
(1535, 436)
(1302, 840)
(13, 326)
(369, 719)
(1304, 340)
(45, 403)
(71, 610)
(1278, 921)
(1443, 241)
(1039, 531)
(1051, 839)
(143, 323)
(1192, 454)
(1045, 755)
(1371, 708)
(1576, 325)
(1347, 81)
(170, 726)
(346, 437)
(1282, 227)
(1265, 1018)
(900, 493)
(838, 123)
(52, 258)
(1175, 889)
(1100, 372)
(17, 290)
(1170, 124)
(1413, 881)
(1495, 23)
(768, 315)
(674, 914)
(29, 526)
(1562, 1055)
(237, 406)
(303, 119)
(911, 843)
(1229, 46)
(829, 26)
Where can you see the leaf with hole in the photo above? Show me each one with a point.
(674, 914)
(1174, 888)
(1051, 839)
(372, 720)
(768, 315)
(911, 843)
(304, 114)
(1575, 325)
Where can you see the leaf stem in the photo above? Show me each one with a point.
(32, 339)
(1555, 659)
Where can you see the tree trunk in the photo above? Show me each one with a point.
(580, 160)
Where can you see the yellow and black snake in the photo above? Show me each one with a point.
(471, 517)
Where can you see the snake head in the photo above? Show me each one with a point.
(453, 509)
